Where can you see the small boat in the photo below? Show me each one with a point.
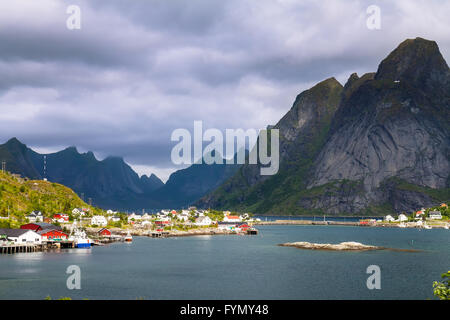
(446, 227)
(402, 225)
(128, 237)
(427, 226)
(79, 237)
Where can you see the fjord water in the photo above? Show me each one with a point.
(237, 267)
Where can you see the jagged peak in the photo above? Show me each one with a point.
(354, 82)
(416, 61)
(330, 82)
(71, 149)
(352, 79)
(14, 142)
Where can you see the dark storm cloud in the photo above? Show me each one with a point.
(137, 70)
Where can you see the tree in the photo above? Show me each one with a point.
(442, 289)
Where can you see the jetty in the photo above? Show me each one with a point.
(9, 248)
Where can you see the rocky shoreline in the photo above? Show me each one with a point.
(169, 233)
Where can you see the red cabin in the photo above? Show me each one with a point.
(53, 235)
(104, 232)
(244, 227)
(61, 217)
(161, 222)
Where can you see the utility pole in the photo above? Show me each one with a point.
(45, 168)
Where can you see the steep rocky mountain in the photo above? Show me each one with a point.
(17, 159)
(383, 146)
(303, 131)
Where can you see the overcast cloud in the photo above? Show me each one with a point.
(137, 70)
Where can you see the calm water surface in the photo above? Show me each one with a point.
(237, 267)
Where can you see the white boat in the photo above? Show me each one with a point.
(128, 237)
(446, 227)
(427, 226)
(79, 237)
(402, 225)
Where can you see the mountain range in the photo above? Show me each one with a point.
(376, 145)
(112, 183)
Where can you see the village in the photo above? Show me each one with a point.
(81, 229)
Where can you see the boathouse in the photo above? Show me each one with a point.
(53, 235)
(104, 232)
(20, 236)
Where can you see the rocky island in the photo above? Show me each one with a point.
(343, 246)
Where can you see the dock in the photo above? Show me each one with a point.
(10, 248)
(17, 248)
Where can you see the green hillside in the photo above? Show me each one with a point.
(19, 197)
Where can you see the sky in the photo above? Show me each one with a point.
(137, 70)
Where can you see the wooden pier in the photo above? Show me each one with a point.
(17, 248)
(9, 248)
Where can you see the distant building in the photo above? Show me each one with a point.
(435, 215)
(229, 218)
(226, 226)
(20, 236)
(61, 217)
(35, 216)
(104, 232)
(114, 218)
(53, 235)
(99, 221)
(134, 217)
(389, 218)
(402, 217)
(203, 221)
(79, 211)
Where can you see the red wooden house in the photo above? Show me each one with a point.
(61, 217)
(244, 227)
(53, 235)
(104, 232)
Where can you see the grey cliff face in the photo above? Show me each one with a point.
(393, 125)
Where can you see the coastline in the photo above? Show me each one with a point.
(169, 233)
(436, 224)
(216, 231)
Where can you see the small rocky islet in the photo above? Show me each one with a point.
(343, 246)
